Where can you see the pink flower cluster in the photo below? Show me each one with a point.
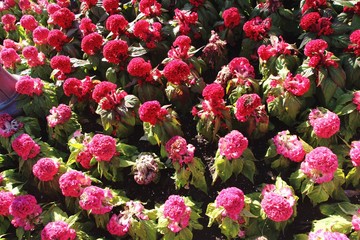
(231, 17)
(297, 85)
(25, 212)
(150, 8)
(116, 24)
(111, 6)
(107, 95)
(289, 146)
(146, 169)
(58, 230)
(356, 100)
(102, 147)
(323, 234)
(233, 145)
(91, 43)
(241, 68)
(6, 199)
(320, 165)
(313, 22)
(8, 125)
(40, 35)
(28, 22)
(29, 86)
(73, 182)
(277, 47)
(185, 19)
(232, 200)
(246, 106)
(116, 51)
(196, 3)
(315, 50)
(9, 57)
(57, 39)
(354, 46)
(59, 115)
(8, 21)
(45, 169)
(257, 28)
(148, 32)
(62, 64)
(152, 112)
(179, 151)
(63, 17)
(120, 224)
(176, 71)
(213, 103)
(355, 221)
(278, 203)
(355, 153)
(140, 68)
(33, 57)
(177, 213)
(324, 122)
(87, 26)
(96, 200)
(180, 48)
(80, 88)
(313, 5)
(25, 146)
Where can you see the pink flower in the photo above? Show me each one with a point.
(8, 43)
(231, 17)
(28, 22)
(25, 211)
(25, 147)
(266, 52)
(320, 165)
(176, 71)
(233, 145)
(277, 205)
(118, 225)
(213, 92)
(177, 213)
(146, 169)
(313, 4)
(356, 100)
(232, 200)
(150, 8)
(87, 26)
(256, 28)
(45, 169)
(29, 86)
(84, 158)
(62, 64)
(110, 6)
(57, 39)
(355, 153)
(63, 18)
(355, 221)
(324, 122)
(116, 24)
(354, 46)
(315, 49)
(8, 21)
(58, 230)
(278, 47)
(52, 8)
(152, 112)
(91, 43)
(24, 5)
(6, 199)
(9, 57)
(73, 182)
(289, 146)
(180, 47)
(8, 125)
(96, 200)
(241, 68)
(148, 32)
(33, 57)
(185, 19)
(196, 3)
(59, 115)
(297, 85)
(103, 147)
(103, 90)
(246, 105)
(138, 67)
(313, 22)
(115, 51)
(179, 151)
(79, 88)
(323, 234)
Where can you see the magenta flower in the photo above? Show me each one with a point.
(356, 100)
(179, 151)
(58, 230)
(8, 125)
(289, 146)
(103, 147)
(59, 115)
(73, 182)
(231, 17)
(246, 105)
(152, 112)
(355, 221)
(96, 200)
(324, 122)
(177, 213)
(297, 85)
(6, 199)
(232, 200)
(45, 169)
(29, 86)
(323, 234)
(355, 153)
(233, 145)
(25, 146)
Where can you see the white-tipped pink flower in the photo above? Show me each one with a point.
(233, 145)
(289, 146)
(177, 213)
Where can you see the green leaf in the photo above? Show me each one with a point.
(111, 75)
(72, 219)
(353, 176)
(237, 165)
(223, 169)
(197, 169)
(229, 228)
(347, 109)
(184, 234)
(249, 169)
(318, 195)
(213, 212)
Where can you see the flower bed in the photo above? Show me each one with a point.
(190, 119)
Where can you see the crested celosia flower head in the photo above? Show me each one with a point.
(58, 115)
(84, 158)
(152, 112)
(320, 165)
(180, 48)
(8, 21)
(213, 92)
(176, 71)
(232, 200)
(138, 67)
(231, 17)
(177, 213)
(110, 6)
(324, 122)
(326, 235)
(8, 43)
(315, 47)
(8, 125)
(148, 32)
(289, 146)
(87, 26)
(118, 225)
(146, 169)
(233, 145)
(56, 39)
(315, 50)
(354, 46)
(116, 51)
(355, 153)
(277, 203)
(58, 230)
(241, 68)
(25, 146)
(355, 221)
(28, 22)
(196, 3)
(6, 199)
(246, 105)
(313, 4)
(52, 7)
(29, 86)
(73, 182)
(79, 88)
(25, 212)
(256, 28)
(63, 18)
(185, 19)
(313, 22)
(45, 169)
(103, 147)
(150, 7)
(33, 57)
(116, 24)
(102, 90)
(62, 64)
(9, 57)
(297, 85)
(91, 43)
(179, 151)
(96, 200)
